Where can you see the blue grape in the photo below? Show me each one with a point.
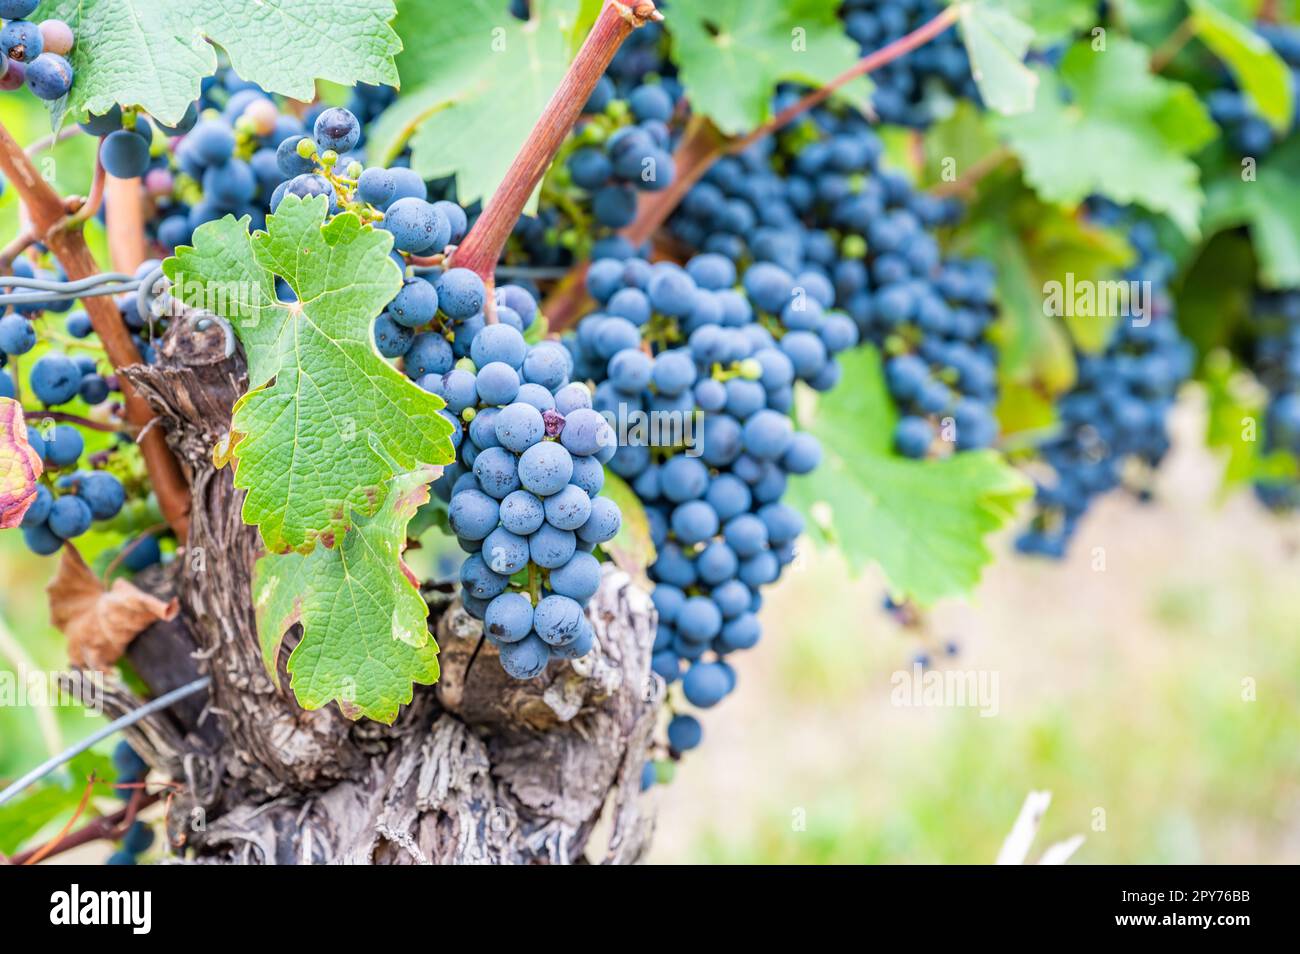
(124, 154)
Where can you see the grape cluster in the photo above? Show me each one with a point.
(1113, 422)
(131, 771)
(524, 493)
(703, 390)
(909, 88)
(34, 53)
(77, 488)
(1276, 362)
(1248, 132)
(816, 203)
(219, 159)
(635, 157)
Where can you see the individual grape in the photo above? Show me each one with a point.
(430, 353)
(498, 384)
(569, 509)
(104, 493)
(16, 335)
(416, 226)
(41, 540)
(49, 76)
(578, 579)
(393, 340)
(604, 522)
(522, 513)
(17, 9)
(473, 515)
(684, 732)
(480, 580)
(21, 41)
(459, 223)
(498, 343)
(558, 620)
(55, 379)
(497, 472)
(706, 684)
(551, 547)
(70, 517)
(518, 427)
(336, 128)
(141, 553)
(545, 469)
(376, 186)
(124, 154)
(415, 303)
(461, 293)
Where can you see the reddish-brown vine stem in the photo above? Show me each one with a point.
(47, 209)
(482, 247)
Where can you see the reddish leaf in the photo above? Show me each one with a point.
(19, 465)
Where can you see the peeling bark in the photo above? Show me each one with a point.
(478, 769)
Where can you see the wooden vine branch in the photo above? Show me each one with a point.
(482, 247)
(48, 211)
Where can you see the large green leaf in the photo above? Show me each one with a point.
(1269, 204)
(155, 53)
(365, 634)
(476, 79)
(1107, 125)
(925, 523)
(327, 422)
(732, 54)
(997, 41)
(1262, 75)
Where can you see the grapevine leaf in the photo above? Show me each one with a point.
(155, 53)
(365, 634)
(474, 95)
(326, 422)
(1262, 75)
(733, 53)
(20, 465)
(1121, 131)
(997, 42)
(1269, 204)
(924, 522)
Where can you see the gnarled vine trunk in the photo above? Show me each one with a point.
(479, 768)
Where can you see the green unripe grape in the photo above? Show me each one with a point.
(328, 158)
(466, 364)
(468, 414)
(750, 369)
(306, 147)
(854, 246)
(355, 169)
